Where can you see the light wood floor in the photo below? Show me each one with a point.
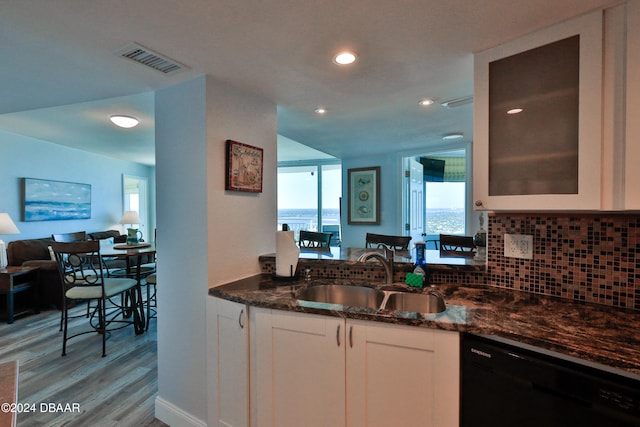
(117, 390)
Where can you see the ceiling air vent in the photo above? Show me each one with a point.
(144, 56)
(457, 102)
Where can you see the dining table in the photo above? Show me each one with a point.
(133, 255)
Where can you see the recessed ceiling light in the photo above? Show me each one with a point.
(426, 102)
(320, 110)
(124, 121)
(515, 111)
(345, 58)
(455, 135)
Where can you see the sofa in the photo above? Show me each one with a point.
(35, 252)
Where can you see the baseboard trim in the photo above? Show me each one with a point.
(170, 414)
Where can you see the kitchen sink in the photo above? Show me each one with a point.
(353, 296)
(422, 303)
(389, 298)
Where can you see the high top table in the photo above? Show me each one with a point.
(133, 255)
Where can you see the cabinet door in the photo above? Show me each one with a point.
(227, 363)
(401, 375)
(299, 362)
(547, 157)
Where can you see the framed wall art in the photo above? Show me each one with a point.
(243, 167)
(364, 195)
(46, 200)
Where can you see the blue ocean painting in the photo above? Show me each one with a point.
(46, 200)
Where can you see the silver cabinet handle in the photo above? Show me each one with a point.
(351, 336)
(338, 335)
(240, 318)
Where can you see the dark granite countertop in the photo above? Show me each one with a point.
(590, 332)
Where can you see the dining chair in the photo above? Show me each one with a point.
(108, 234)
(78, 236)
(452, 245)
(152, 300)
(84, 279)
(149, 265)
(382, 241)
(314, 239)
(334, 229)
(434, 242)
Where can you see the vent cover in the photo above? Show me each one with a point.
(149, 58)
(458, 102)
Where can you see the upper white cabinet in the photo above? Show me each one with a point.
(548, 155)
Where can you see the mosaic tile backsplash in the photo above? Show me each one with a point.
(593, 258)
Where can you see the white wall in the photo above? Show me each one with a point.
(206, 236)
(353, 236)
(242, 226)
(22, 157)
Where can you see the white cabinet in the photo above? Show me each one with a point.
(401, 375)
(227, 363)
(297, 369)
(547, 157)
(316, 370)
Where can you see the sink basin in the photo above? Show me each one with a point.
(421, 303)
(353, 296)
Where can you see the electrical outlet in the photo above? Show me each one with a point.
(518, 246)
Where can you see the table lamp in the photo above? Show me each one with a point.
(133, 234)
(7, 226)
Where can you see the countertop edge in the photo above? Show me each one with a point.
(594, 333)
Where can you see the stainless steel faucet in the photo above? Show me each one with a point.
(386, 260)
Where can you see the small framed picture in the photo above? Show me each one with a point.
(364, 195)
(243, 167)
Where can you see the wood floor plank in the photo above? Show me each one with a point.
(117, 390)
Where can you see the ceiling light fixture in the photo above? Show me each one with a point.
(515, 111)
(425, 102)
(320, 110)
(455, 135)
(124, 121)
(345, 58)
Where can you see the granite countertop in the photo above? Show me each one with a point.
(590, 332)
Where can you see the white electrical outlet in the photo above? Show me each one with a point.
(518, 246)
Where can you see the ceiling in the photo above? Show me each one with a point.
(60, 78)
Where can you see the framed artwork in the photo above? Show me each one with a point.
(46, 200)
(243, 167)
(364, 195)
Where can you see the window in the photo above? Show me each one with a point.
(298, 198)
(437, 194)
(309, 196)
(135, 196)
(444, 208)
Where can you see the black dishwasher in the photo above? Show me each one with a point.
(508, 384)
